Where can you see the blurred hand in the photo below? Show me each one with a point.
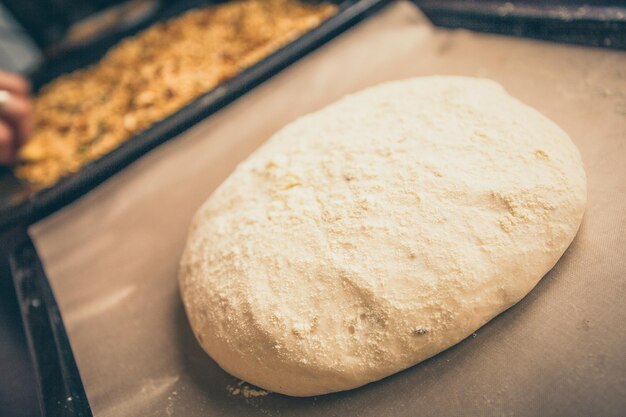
(15, 115)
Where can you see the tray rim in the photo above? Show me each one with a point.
(593, 25)
(60, 391)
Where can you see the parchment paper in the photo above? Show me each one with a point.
(112, 257)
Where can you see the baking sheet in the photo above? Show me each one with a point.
(112, 257)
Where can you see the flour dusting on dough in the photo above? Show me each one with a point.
(373, 234)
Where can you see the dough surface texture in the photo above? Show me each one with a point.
(370, 235)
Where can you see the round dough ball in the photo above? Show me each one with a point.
(377, 232)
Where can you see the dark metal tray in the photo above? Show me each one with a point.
(20, 204)
(595, 23)
(60, 390)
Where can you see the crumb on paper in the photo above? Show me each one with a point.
(246, 390)
(419, 330)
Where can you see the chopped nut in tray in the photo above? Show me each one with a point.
(83, 115)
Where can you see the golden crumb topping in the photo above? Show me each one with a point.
(145, 78)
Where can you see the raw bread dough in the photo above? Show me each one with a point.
(377, 232)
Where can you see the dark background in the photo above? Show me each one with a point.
(47, 20)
